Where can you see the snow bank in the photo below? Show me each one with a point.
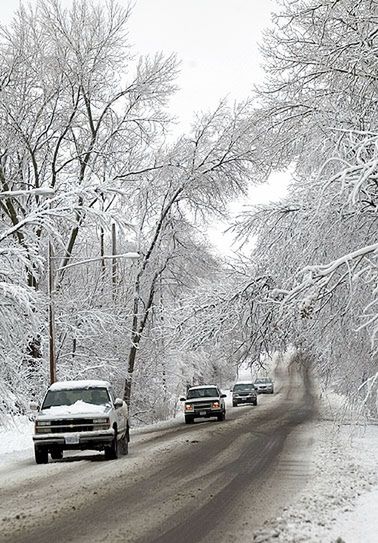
(15, 434)
(360, 524)
(340, 500)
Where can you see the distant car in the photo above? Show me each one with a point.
(244, 392)
(264, 385)
(78, 415)
(204, 401)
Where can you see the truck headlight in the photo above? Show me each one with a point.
(102, 423)
(188, 407)
(42, 427)
(215, 405)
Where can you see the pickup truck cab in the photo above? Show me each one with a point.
(79, 415)
(204, 401)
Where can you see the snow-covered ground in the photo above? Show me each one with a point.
(15, 437)
(339, 502)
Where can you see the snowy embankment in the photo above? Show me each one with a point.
(15, 437)
(339, 502)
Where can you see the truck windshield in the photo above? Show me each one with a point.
(202, 393)
(95, 396)
(243, 386)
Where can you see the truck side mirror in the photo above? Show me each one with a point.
(182, 399)
(223, 395)
(118, 403)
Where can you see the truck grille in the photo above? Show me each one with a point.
(202, 405)
(72, 425)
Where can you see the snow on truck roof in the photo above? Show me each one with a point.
(203, 386)
(88, 383)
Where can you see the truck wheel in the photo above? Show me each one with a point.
(124, 445)
(255, 402)
(234, 404)
(222, 416)
(56, 454)
(41, 455)
(189, 420)
(111, 451)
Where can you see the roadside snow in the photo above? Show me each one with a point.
(362, 522)
(339, 504)
(359, 520)
(15, 435)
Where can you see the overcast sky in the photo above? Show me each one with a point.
(217, 43)
(216, 40)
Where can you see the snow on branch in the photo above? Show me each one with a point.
(30, 192)
(323, 270)
(130, 255)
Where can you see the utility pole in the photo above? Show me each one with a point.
(51, 288)
(114, 260)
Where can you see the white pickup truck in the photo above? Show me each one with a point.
(79, 415)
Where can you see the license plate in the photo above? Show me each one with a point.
(72, 439)
(202, 412)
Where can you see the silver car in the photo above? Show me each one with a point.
(264, 385)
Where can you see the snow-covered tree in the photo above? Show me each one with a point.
(77, 114)
(318, 111)
(88, 178)
(199, 174)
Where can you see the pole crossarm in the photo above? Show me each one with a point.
(130, 255)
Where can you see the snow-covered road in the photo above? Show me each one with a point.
(271, 473)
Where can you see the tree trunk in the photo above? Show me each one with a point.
(135, 339)
(129, 378)
(102, 254)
